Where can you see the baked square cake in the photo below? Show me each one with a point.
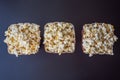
(98, 38)
(23, 38)
(59, 37)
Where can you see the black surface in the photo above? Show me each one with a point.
(44, 66)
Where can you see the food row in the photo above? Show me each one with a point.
(59, 38)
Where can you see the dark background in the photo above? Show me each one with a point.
(44, 66)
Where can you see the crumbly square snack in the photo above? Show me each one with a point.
(59, 37)
(23, 38)
(98, 38)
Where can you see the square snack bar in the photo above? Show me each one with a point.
(59, 37)
(23, 38)
(98, 38)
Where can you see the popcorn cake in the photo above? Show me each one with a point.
(98, 38)
(23, 38)
(59, 37)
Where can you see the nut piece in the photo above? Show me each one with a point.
(98, 38)
(23, 38)
(59, 37)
